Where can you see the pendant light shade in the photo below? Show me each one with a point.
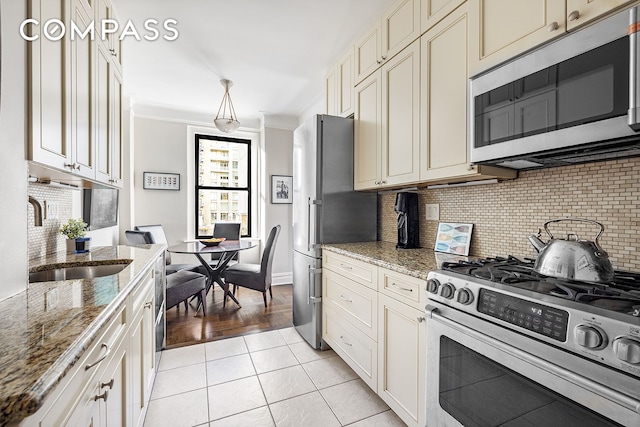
(226, 119)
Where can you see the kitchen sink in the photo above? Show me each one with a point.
(76, 272)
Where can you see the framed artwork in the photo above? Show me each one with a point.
(160, 181)
(281, 189)
(454, 238)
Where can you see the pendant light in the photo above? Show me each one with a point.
(223, 122)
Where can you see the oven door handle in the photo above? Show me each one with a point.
(433, 314)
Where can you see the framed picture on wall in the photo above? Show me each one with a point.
(160, 181)
(281, 189)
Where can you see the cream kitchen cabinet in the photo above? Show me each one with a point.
(104, 11)
(444, 132)
(432, 11)
(394, 31)
(402, 359)
(349, 316)
(373, 319)
(580, 12)
(507, 28)
(387, 129)
(339, 87)
(142, 349)
(71, 105)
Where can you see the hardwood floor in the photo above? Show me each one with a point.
(183, 328)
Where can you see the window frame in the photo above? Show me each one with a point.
(198, 187)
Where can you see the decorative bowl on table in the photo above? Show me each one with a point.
(215, 241)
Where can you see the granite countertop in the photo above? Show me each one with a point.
(413, 262)
(39, 346)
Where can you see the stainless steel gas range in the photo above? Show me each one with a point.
(507, 346)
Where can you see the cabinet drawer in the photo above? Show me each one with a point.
(358, 271)
(355, 302)
(406, 289)
(358, 350)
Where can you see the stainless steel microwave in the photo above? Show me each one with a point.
(573, 100)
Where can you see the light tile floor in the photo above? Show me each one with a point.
(267, 379)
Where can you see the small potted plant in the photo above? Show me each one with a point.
(75, 229)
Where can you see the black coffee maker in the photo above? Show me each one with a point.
(407, 209)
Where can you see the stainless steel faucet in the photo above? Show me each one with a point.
(37, 211)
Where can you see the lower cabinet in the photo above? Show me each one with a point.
(378, 329)
(401, 359)
(111, 383)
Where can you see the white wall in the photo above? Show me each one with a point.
(13, 140)
(162, 141)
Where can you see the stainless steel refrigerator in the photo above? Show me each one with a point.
(326, 209)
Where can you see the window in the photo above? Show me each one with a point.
(213, 154)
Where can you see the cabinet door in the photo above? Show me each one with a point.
(401, 359)
(506, 28)
(82, 95)
(115, 382)
(330, 91)
(142, 357)
(580, 12)
(345, 85)
(400, 27)
(444, 121)
(50, 143)
(367, 131)
(401, 118)
(115, 124)
(367, 56)
(103, 142)
(432, 11)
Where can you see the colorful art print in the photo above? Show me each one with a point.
(453, 238)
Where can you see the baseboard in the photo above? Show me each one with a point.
(282, 278)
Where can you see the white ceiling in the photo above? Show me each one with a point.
(275, 51)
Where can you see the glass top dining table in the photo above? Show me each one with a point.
(215, 270)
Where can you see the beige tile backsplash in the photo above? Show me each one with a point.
(504, 214)
(46, 239)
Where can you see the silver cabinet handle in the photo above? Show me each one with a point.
(346, 267)
(421, 319)
(344, 341)
(383, 181)
(109, 384)
(148, 304)
(384, 57)
(104, 356)
(573, 16)
(393, 285)
(342, 297)
(104, 396)
(553, 26)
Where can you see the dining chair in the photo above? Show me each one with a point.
(255, 276)
(135, 237)
(228, 230)
(158, 236)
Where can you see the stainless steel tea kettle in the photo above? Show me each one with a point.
(572, 258)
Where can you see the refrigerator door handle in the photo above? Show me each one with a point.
(312, 299)
(311, 202)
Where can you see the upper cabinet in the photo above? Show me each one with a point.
(444, 129)
(387, 113)
(397, 28)
(339, 87)
(507, 28)
(432, 11)
(73, 119)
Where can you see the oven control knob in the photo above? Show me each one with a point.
(433, 285)
(590, 337)
(465, 296)
(447, 290)
(627, 350)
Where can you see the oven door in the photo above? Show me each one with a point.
(474, 379)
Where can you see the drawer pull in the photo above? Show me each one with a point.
(345, 341)
(345, 299)
(104, 396)
(346, 267)
(106, 353)
(109, 384)
(393, 285)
